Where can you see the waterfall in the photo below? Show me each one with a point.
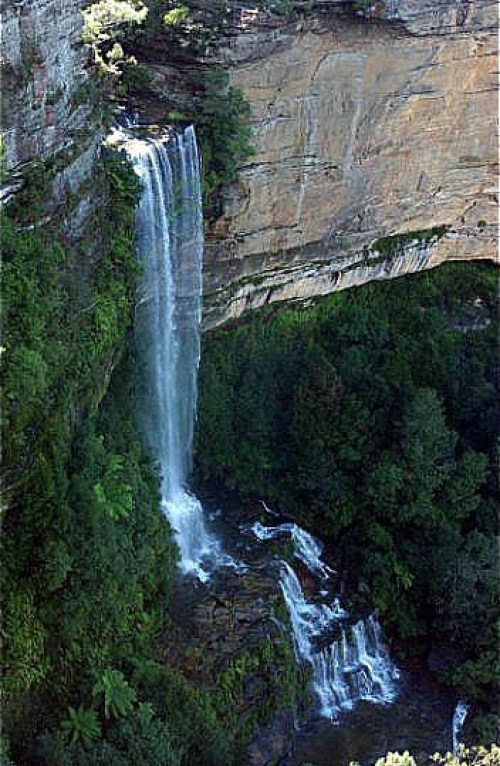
(309, 550)
(355, 666)
(459, 716)
(349, 661)
(262, 532)
(305, 546)
(170, 248)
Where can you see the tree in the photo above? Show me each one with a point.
(81, 726)
(114, 690)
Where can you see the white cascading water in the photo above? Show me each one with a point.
(170, 248)
(262, 532)
(459, 716)
(309, 550)
(349, 663)
(305, 546)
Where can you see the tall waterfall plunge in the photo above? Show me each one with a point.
(170, 247)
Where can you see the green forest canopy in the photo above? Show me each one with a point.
(373, 418)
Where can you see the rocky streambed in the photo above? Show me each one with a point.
(234, 633)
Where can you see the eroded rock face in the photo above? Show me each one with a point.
(46, 98)
(363, 128)
(367, 124)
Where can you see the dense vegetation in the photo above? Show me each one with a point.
(87, 553)
(87, 556)
(373, 418)
(128, 37)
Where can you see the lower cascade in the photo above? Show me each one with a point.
(170, 247)
(349, 662)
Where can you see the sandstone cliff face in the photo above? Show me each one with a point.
(363, 128)
(46, 92)
(366, 124)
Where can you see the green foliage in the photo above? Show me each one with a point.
(104, 16)
(479, 678)
(487, 729)
(145, 740)
(222, 121)
(116, 693)
(53, 323)
(112, 494)
(81, 726)
(135, 79)
(121, 561)
(254, 686)
(56, 752)
(176, 16)
(395, 244)
(106, 23)
(29, 203)
(106, 578)
(187, 26)
(24, 662)
(86, 554)
(4, 751)
(374, 433)
(141, 739)
(192, 719)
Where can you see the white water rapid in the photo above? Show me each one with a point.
(349, 661)
(170, 248)
(305, 546)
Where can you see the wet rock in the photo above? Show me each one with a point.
(419, 721)
(234, 628)
(271, 742)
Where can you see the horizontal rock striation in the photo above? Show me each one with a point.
(370, 119)
(365, 125)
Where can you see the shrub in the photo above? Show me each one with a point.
(81, 726)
